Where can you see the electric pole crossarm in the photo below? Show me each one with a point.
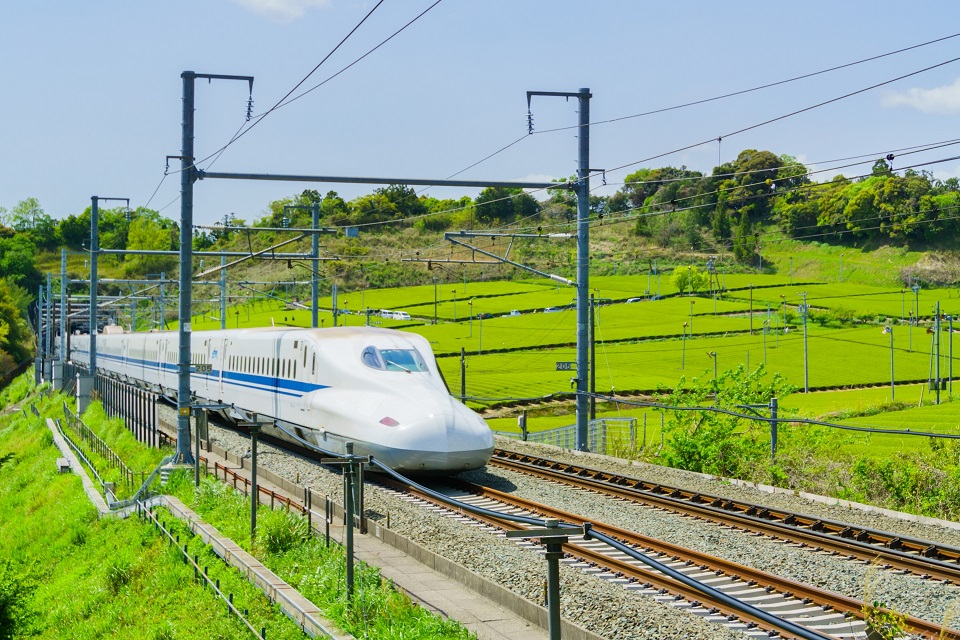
(536, 236)
(450, 261)
(551, 276)
(305, 231)
(561, 94)
(250, 256)
(203, 175)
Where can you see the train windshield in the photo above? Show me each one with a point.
(408, 360)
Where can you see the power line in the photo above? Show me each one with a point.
(276, 106)
(382, 42)
(727, 135)
(784, 116)
(758, 88)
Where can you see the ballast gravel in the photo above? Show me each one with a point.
(604, 608)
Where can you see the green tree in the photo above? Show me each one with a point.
(18, 259)
(681, 279)
(743, 241)
(371, 208)
(708, 441)
(689, 277)
(404, 199)
(75, 230)
(15, 334)
(150, 232)
(29, 217)
(721, 219)
(499, 205)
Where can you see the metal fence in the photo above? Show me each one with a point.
(137, 407)
(70, 373)
(94, 443)
(600, 433)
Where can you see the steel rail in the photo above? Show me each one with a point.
(789, 588)
(921, 557)
(653, 578)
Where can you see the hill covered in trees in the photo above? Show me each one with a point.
(730, 211)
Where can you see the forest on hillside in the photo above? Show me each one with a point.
(727, 211)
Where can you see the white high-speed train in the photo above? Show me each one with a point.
(378, 388)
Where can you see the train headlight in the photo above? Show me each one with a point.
(390, 422)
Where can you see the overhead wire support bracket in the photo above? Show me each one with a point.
(252, 255)
(306, 231)
(431, 261)
(426, 182)
(518, 265)
(535, 236)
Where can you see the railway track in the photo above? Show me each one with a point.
(830, 614)
(921, 557)
(823, 611)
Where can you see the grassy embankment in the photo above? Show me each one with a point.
(63, 568)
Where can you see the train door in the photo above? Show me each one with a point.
(125, 365)
(274, 373)
(300, 368)
(219, 361)
(162, 362)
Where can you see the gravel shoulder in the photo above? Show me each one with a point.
(627, 615)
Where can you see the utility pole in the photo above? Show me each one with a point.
(48, 349)
(582, 189)
(463, 374)
(163, 303)
(936, 338)
(950, 355)
(85, 386)
(38, 358)
(806, 361)
(59, 367)
(223, 292)
(315, 276)
(593, 359)
(893, 379)
(187, 178)
(188, 175)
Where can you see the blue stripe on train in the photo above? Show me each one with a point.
(282, 386)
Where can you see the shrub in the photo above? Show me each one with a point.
(14, 590)
(279, 531)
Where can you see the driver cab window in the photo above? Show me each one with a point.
(371, 358)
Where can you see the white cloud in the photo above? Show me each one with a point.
(946, 174)
(283, 11)
(943, 100)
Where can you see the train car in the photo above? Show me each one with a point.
(378, 388)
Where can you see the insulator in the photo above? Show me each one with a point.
(529, 121)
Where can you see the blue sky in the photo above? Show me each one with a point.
(92, 105)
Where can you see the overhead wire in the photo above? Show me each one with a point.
(757, 88)
(284, 101)
(711, 140)
(783, 116)
(259, 118)
(773, 84)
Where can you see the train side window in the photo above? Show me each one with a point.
(371, 358)
(304, 356)
(313, 368)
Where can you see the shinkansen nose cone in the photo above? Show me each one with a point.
(445, 437)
